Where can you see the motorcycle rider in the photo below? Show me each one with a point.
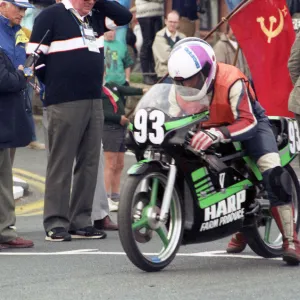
(235, 115)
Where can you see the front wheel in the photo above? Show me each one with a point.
(265, 239)
(149, 244)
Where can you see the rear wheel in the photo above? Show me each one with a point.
(149, 244)
(265, 239)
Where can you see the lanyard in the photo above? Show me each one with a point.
(80, 23)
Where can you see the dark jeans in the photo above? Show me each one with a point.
(149, 26)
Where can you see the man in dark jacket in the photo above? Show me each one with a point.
(12, 85)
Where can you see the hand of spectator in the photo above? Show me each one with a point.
(145, 90)
(124, 121)
(21, 68)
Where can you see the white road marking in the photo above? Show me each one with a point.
(216, 254)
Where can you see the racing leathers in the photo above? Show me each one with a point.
(236, 115)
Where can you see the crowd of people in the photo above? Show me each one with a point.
(84, 102)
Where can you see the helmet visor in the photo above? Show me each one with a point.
(196, 82)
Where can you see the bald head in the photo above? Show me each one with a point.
(172, 21)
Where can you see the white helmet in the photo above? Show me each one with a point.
(190, 57)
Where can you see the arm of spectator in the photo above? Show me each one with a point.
(42, 23)
(130, 91)
(161, 49)
(128, 63)
(127, 74)
(115, 14)
(294, 60)
(11, 82)
(111, 117)
(220, 51)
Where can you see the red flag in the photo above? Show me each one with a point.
(264, 31)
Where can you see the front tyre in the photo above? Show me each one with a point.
(265, 239)
(149, 245)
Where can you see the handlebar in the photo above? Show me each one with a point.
(202, 153)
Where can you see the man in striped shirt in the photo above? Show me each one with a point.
(71, 67)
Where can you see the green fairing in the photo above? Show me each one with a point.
(253, 166)
(184, 121)
(133, 169)
(285, 157)
(215, 198)
(198, 174)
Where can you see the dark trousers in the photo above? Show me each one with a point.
(263, 149)
(149, 26)
(74, 133)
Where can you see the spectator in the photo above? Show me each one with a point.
(134, 40)
(115, 124)
(294, 68)
(73, 55)
(100, 213)
(12, 41)
(136, 27)
(149, 15)
(226, 50)
(12, 116)
(293, 6)
(122, 30)
(164, 41)
(187, 9)
(117, 60)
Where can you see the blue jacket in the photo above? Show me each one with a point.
(16, 53)
(15, 106)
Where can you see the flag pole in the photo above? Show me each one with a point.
(223, 20)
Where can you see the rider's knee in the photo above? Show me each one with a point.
(268, 161)
(279, 182)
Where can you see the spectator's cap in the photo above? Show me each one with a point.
(21, 3)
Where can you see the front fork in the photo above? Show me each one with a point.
(166, 202)
(165, 207)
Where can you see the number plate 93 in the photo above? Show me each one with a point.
(149, 126)
(294, 137)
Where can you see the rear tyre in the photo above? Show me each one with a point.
(262, 245)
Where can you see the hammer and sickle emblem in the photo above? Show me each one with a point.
(271, 32)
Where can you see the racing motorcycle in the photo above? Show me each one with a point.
(173, 196)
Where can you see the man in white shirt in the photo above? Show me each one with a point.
(164, 41)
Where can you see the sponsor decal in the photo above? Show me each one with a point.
(224, 212)
(193, 56)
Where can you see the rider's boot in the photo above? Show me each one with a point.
(237, 243)
(284, 217)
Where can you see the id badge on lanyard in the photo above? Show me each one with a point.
(89, 38)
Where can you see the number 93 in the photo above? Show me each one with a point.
(294, 138)
(141, 131)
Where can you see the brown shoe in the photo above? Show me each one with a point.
(17, 243)
(237, 244)
(106, 224)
